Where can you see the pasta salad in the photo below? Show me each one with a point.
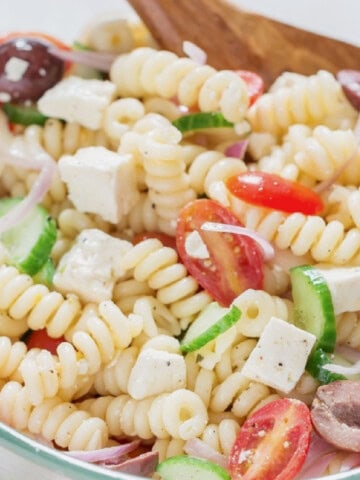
(179, 256)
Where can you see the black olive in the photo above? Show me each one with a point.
(27, 69)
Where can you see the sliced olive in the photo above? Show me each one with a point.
(27, 69)
(335, 414)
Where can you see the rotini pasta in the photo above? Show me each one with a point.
(58, 138)
(158, 265)
(257, 307)
(54, 419)
(326, 242)
(180, 414)
(147, 72)
(307, 102)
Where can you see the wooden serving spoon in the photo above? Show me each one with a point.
(238, 39)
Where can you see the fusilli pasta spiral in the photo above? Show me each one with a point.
(158, 265)
(307, 102)
(180, 414)
(148, 72)
(54, 419)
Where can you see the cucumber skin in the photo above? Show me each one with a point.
(224, 323)
(33, 262)
(207, 468)
(314, 366)
(46, 273)
(201, 120)
(327, 338)
(24, 115)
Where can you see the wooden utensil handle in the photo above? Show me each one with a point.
(235, 38)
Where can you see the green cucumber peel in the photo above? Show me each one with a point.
(212, 322)
(30, 242)
(184, 467)
(200, 121)
(313, 306)
(46, 274)
(316, 361)
(22, 115)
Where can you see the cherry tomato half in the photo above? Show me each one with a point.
(254, 83)
(40, 339)
(272, 443)
(166, 240)
(235, 262)
(272, 191)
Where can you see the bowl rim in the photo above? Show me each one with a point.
(59, 462)
(25, 446)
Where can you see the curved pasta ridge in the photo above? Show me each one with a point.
(146, 72)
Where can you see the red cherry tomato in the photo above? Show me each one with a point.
(272, 443)
(40, 339)
(235, 262)
(272, 191)
(254, 83)
(5, 37)
(166, 240)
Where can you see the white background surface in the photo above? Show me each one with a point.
(338, 18)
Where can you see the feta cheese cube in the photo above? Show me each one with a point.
(280, 356)
(91, 267)
(80, 100)
(344, 286)
(100, 181)
(156, 372)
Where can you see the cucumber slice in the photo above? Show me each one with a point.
(201, 120)
(211, 322)
(29, 243)
(314, 309)
(183, 467)
(23, 115)
(46, 274)
(317, 359)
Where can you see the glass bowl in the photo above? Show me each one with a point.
(22, 457)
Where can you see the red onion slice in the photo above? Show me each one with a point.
(267, 249)
(350, 462)
(317, 468)
(237, 149)
(110, 455)
(342, 370)
(100, 61)
(318, 458)
(350, 83)
(36, 194)
(199, 448)
(143, 465)
(194, 52)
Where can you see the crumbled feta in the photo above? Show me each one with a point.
(195, 246)
(5, 97)
(280, 356)
(156, 372)
(80, 100)
(100, 181)
(15, 69)
(91, 267)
